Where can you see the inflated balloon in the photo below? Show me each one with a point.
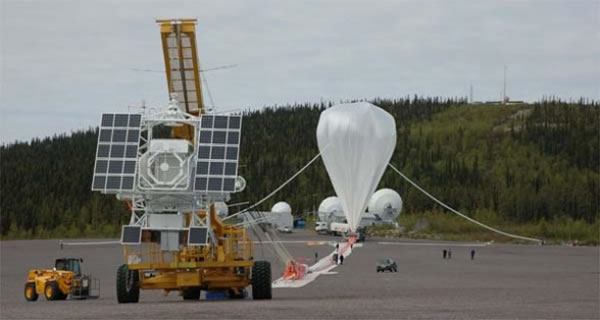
(356, 141)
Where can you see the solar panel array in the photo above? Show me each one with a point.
(198, 236)
(218, 152)
(116, 154)
(182, 64)
(131, 235)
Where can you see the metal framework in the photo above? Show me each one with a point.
(175, 188)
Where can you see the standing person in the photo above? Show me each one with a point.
(444, 253)
(449, 253)
(472, 254)
(341, 259)
(337, 246)
(316, 256)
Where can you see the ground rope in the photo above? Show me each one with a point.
(276, 190)
(460, 214)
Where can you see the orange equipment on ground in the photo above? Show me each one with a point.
(294, 271)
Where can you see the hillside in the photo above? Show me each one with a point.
(518, 164)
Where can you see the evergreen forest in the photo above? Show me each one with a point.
(518, 164)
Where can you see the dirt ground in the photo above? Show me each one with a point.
(503, 282)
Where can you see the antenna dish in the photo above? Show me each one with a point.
(386, 203)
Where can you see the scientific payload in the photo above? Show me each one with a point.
(176, 169)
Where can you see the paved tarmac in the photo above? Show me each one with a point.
(503, 282)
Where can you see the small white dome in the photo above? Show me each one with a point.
(331, 205)
(386, 203)
(281, 206)
(222, 209)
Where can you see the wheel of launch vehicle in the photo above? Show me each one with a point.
(191, 293)
(51, 291)
(30, 293)
(62, 296)
(233, 295)
(261, 280)
(128, 286)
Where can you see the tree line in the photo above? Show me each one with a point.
(522, 162)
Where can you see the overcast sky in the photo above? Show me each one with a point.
(63, 63)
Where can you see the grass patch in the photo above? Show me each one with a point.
(447, 226)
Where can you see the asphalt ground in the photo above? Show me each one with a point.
(503, 282)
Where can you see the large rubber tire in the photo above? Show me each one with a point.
(128, 285)
(261, 280)
(191, 293)
(51, 291)
(62, 296)
(30, 293)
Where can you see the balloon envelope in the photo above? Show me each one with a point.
(356, 141)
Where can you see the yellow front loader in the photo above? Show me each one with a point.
(64, 280)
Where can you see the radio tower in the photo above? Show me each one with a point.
(504, 98)
(471, 93)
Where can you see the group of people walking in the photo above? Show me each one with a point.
(337, 257)
(447, 254)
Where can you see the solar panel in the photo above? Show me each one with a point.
(181, 63)
(218, 153)
(131, 235)
(116, 153)
(198, 236)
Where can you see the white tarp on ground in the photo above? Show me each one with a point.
(323, 266)
(356, 141)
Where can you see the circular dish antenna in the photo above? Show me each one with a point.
(331, 206)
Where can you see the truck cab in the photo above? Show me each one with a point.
(69, 264)
(321, 227)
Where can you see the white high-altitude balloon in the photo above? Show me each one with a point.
(356, 141)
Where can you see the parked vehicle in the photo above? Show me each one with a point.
(62, 281)
(387, 264)
(284, 229)
(322, 227)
